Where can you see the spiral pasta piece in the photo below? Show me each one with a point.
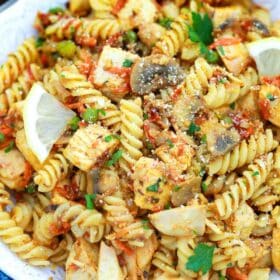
(81, 220)
(163, 259)
(22, 215)
(21, 243)
(103, 5)
(249, 78)
(68, 28)
(17, 62)
(124, 225)
(19, 89)
(243, 153)
(185, 249)
(131, 132)
(56, 168)
(244, 187)
(78, 85)
(197, 80)
(4, 197)
(172, 40)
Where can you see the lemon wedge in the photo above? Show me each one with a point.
(45, 119)
(266, 53)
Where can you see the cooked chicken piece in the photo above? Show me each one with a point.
(150, 33)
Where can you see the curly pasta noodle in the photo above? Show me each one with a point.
(78, 85)
(131, 132)
(163, 259)
(74, 28)
(249, 78)
(4, 197)
(173, 39)
(197, 80)
(104, 5)
(56, 168)
(185, 248)
(21, 243)
(244, 187)
(81, 220)
(19, 89)
(17, 62)
(124, 225)
(22, 215)
(243, 153)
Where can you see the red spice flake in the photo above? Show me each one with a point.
(275, 81)
(154, 115)
(264, 106)
(146, 128)
(73, 266)
(176, 93)
(113, 40)
(86, 41)
(45, 18)
(157, 208)
(60, 228)
(44, 59)
(201, 118)
(118, 6)
(125, 248)
(247, 25)
(70, 192)
(83, 124)
(239, 121)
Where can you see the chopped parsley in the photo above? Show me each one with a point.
(130, 36)
(127, 63)
(145, 223)
(2, 137)
(204, 186)
(222, 80)
(193, 128)
(10, 147)
(203, 139)
(202, 258)
(110, 137)
(221, 50)
(74, 123)
(149, 145)
(91, 114)
(145, 116)
(39, 42)
(154, 187)
(232, 105)
(56, 10)
(114, 159)
(31, 188)
(270, 97)
(221, 276)
(167, 206)
(176, 188)
(66, 48)
(227, 120)
(165, 22)
(202, 172)
(170, 143)
(256, 173)
(90, 200)
(210, 56)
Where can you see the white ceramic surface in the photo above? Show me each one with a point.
(15, 25)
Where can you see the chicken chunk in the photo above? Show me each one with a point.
(150, 33)
(150, 186)
(87, 149)
(82, 262)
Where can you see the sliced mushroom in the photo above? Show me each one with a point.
(155, 72)
(186, 191)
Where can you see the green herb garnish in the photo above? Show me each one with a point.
(270, 97)
(203, 139)
(39, 42)
(90, 200)
(115, 157)
(176, 188)
(167, 206)
(31, 188)
(145, 116)
(202, 172)
(256, 173)
(149, 145)
(145, 223)
(170, 143)
(227, 120)
(130, 36)
(232, 105)
(74, 123)
(193, 128)
(221, 50)
(165, 22)
(2, 137)
(202, 258)
(91, 114)
(127, 63)
(10, 147)
(56, 10)
(110, 137)
(204, 186)
(154, 187)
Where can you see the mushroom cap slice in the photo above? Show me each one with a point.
(180, 221)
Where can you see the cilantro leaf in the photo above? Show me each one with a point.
(165, 22)
(89, 200)
(115, 157)
(74, 123)
(204, 186)
(232, 105)
(193, 128)
(203, 139)
(91, 114)
(176, 188)
(56, 10)
(255, 173)
(154, 187)
(145, 223)
(110, 137)
(127, 63)
(202, 258)
(170, 143)
(31, 188)
(39, 42)
(203, 27)
(270, 97)
(2, 137)
(10, 147)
